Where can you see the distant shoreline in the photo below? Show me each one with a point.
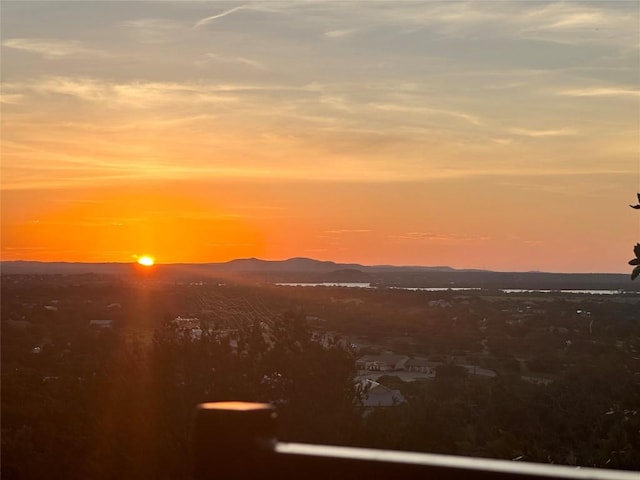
(310, 271)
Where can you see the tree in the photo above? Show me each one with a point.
(636, 250)
(636, 262)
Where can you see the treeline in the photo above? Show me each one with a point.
(104, 405)
(108, 404)
(588, 417)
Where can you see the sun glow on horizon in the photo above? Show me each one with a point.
(146, 261)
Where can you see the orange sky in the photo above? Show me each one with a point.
(380, 133)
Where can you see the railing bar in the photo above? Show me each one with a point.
(532, 470)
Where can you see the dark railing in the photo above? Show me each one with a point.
(236, 440)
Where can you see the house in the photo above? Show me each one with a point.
(475, 370)
(382, 363)
(421, 365)
(377, 395)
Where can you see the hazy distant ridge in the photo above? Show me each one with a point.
(316, 271)
(248, 265)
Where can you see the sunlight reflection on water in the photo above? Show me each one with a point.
(457, 289)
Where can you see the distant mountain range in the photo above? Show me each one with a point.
(316, 271)
(301, 264)
(241, 265)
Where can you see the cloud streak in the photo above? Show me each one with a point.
(213, 57)
(154, 30)
(561, 132)
(425, 117)
(601, 92)
(441, 237)
(473, 119)
(347, 32)
(204, 21)
(138, 94)
(52, 49)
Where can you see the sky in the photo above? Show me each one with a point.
(495, 135)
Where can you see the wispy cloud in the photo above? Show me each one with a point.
(11, 98)
(544, 133)
(473, 119)
(574, 23)
(133, 94)
(154, 30)
(440, 237)
(347, 230)
(565, 16)
(347, 32)
(213, 57)
(601, 92)
(427, 115)
(206, 20)
(151, 23)
(52, 49)
(90, 223)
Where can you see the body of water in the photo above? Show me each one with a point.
(326, 284)
(460, 289)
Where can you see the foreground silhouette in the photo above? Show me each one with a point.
(635, 261)
(636, 251)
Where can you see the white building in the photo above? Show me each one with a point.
(377, 395)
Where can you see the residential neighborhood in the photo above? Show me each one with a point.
(438, 371)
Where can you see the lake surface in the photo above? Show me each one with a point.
(326, 284)
(458, 289)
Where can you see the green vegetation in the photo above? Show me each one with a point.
(81, 401)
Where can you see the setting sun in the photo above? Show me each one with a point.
(146, 261)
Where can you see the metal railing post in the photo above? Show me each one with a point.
(234, 440)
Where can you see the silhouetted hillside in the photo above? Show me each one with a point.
(310, 270)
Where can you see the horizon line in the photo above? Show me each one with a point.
(388, 265)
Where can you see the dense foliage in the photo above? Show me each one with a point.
(111, 407)
(589, 417)
(86, 402)
(636, 251)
